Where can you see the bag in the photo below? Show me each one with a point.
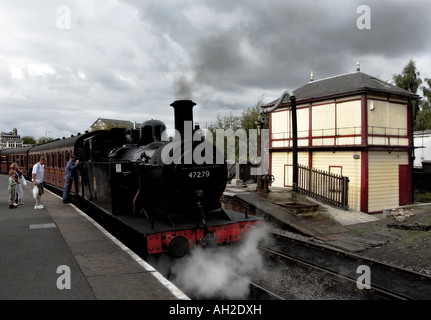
(35, 192)
(23, 181)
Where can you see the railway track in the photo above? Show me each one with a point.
(387, 281)
(384, 281)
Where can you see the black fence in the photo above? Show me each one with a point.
(328, 187)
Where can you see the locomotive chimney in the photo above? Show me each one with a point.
(183, 110)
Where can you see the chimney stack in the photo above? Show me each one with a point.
(183, 111)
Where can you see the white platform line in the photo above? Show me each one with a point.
(175, 291)
(171, 287)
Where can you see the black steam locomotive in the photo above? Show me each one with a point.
(168, 191)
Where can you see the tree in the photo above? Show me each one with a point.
(28, 140)
(246, 122)
(423, 120)
(250, 116)
(409, 80)
(225, 123)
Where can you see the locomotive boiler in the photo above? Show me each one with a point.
(168, 191)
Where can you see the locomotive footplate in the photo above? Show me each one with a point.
(178, 241)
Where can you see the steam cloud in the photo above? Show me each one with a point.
(211, 273)
(183, 89)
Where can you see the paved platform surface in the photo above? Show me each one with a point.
(329, 224)
(43, 251)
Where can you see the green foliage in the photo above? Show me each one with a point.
(28, 140)
(246, 121)
(409, 79)
(250, 115)
(423, 120)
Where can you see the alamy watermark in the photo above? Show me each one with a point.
(196, 147)
(364, 20)
(64, 281)
(64, 17)
(364, 280)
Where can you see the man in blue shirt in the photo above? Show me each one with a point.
(69, 173)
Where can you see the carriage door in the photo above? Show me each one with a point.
(405, 185)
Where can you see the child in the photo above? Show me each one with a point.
(11, 188)
(19, 179)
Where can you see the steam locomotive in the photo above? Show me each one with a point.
(168, 192)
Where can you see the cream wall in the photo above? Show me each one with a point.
(383, 170)
(350, 168)
(323, 120)
(383, 179)
(387, 118)
(341, 118)
(281, 172)
(349, 122)
(281, 126)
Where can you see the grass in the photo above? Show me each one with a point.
(422, 196)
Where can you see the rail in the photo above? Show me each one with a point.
(387, 282)
(324, 186)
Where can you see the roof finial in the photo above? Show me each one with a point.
(311, 75)
(358, 68)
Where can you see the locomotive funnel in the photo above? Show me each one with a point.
(183, 110)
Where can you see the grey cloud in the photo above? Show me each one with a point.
(223, 54)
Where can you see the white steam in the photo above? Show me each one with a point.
(211, 273)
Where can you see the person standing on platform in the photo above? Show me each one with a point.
(12, 188)
(19, 178)
(70, 172)
(37, 178)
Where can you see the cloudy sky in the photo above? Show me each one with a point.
(66, 63)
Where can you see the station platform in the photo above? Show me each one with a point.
(58, 253)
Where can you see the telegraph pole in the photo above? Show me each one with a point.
(295, 144)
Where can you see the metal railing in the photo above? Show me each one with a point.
(348, 136)
(328, 187)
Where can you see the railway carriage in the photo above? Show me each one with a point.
(56, 153)
(18, 155)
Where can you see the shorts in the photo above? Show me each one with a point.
(40, 187)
